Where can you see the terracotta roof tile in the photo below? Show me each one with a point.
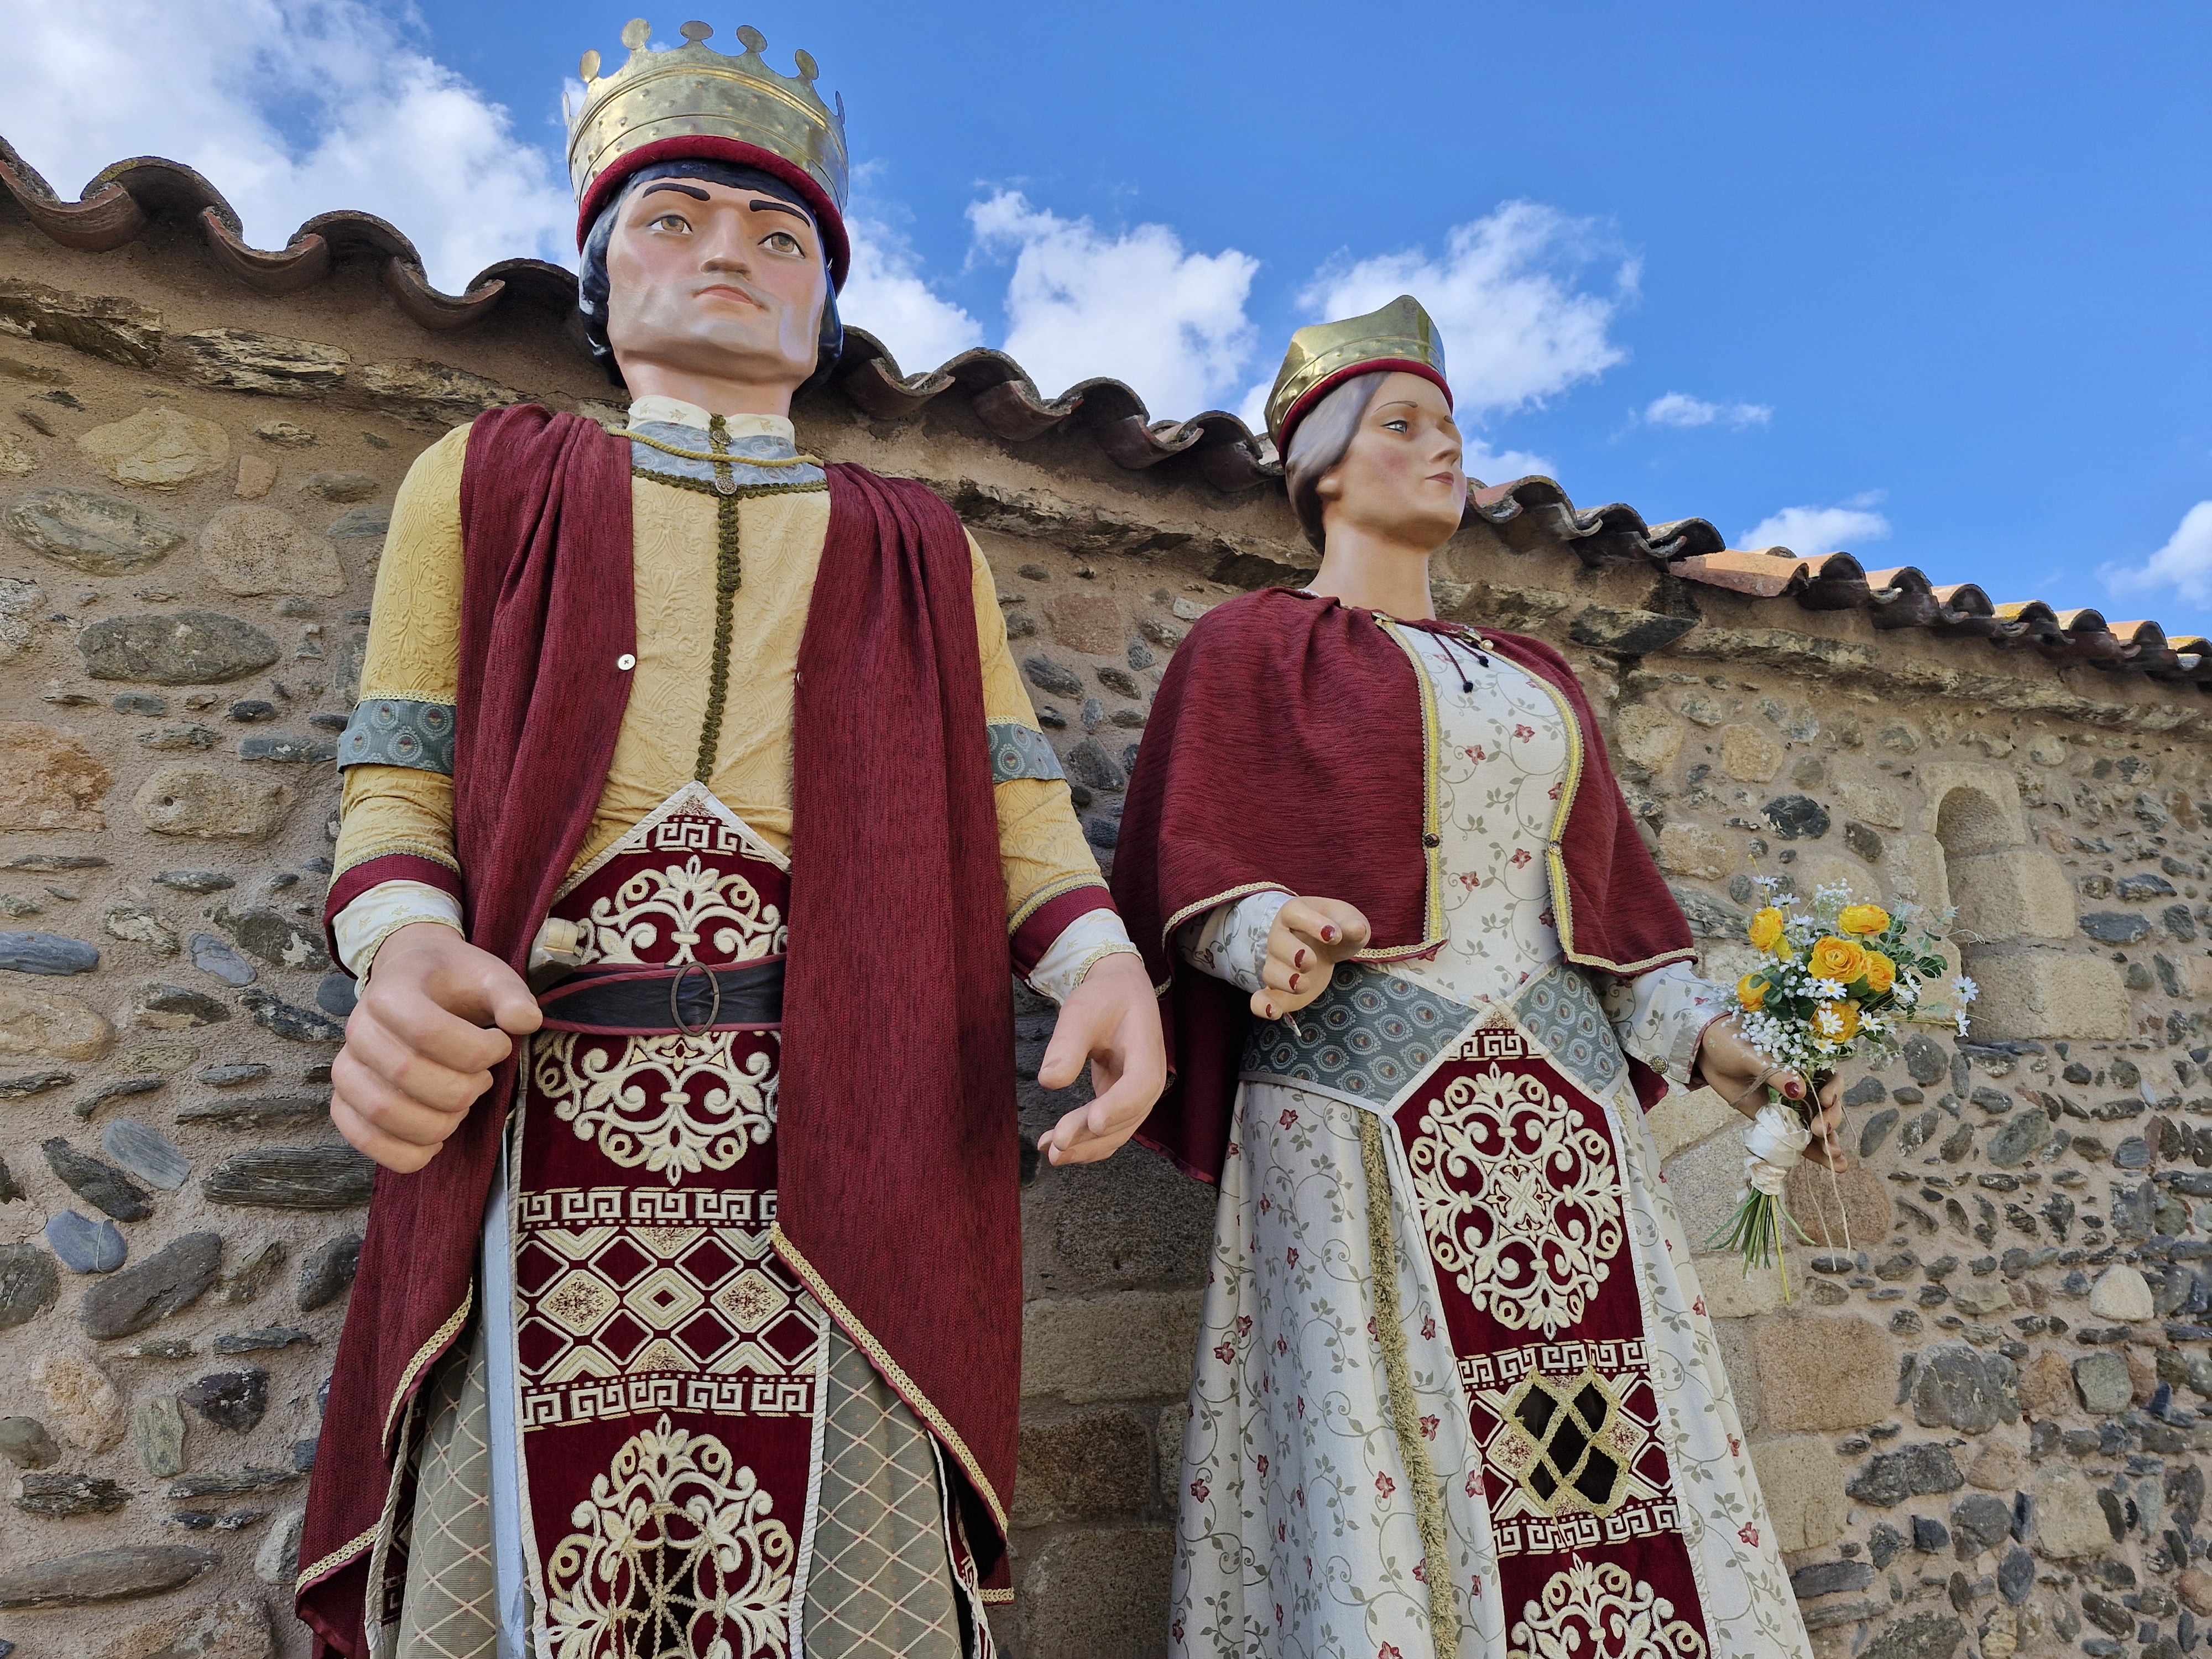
(119, 205)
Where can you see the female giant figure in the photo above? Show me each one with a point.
(1455, 1393)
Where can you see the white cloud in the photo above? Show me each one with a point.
(1679, 408)
(386, 128)
(1490, 466)
(1136, 307)
(1517, 328)
(1811, 530)
(885, 295)
(2183, 564)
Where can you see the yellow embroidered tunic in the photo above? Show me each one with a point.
(413, 646)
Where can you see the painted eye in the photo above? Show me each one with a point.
(671, 221)
(1395, 426)
(782, 241)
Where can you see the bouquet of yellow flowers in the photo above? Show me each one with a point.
(1840, 981)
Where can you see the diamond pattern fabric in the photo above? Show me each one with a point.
(881, 1583)
(452, 1595)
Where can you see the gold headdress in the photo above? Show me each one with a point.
(697, 102)
(1400, 335)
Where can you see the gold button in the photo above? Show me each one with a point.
(625, 662)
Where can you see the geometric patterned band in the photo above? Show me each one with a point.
(1021, 751)
(399, 731)
(410, 732)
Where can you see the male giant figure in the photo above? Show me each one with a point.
(691, 805)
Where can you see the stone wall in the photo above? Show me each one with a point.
(1976, 1425)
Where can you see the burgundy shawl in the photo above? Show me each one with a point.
(899, 1156)
(1285, 751)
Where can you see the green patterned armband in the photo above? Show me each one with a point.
(399, 731)
(1021, 751)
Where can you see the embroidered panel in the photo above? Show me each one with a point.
(1596, 1610)
(671, 1106)
(1363, 1039)
(1569, 1432)
(1559, 1008)
(1519, 1193)
(617, 1314)
(696, 911)
(679, 1552)
(668, 1363)
(1518, 1183)
(399, 731)
(1020, 751)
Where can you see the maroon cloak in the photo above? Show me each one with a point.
(899, 1160)
(1285, 752)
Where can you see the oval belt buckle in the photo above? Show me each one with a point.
(714, 1010)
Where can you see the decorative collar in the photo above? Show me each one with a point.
(680, 442)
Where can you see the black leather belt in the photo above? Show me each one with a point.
(651, 1001)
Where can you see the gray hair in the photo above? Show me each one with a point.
(1318, 444)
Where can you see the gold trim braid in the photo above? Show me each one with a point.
(337, 1559)
(1555, 852)
(1405, 1414)
(439, 1341)
(892, 1371)
(1432, 841)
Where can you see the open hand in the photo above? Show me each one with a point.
(436, 1015)
(1113, 1020)
(1310, 937)
(1734, 1071)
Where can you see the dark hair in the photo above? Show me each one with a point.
(1318, 443)
(591, 279)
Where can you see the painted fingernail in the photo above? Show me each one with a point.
(1294, 981)
(1328, 935)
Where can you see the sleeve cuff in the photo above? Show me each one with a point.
(364, 924)
(1041, 928)
(1230, 941)
(1092, 936)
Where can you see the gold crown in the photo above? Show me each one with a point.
(659, 99)
(1322, 357)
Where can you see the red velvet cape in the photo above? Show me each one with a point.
(899, 1156)
(1285, 751)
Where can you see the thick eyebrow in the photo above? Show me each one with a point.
(764, 205)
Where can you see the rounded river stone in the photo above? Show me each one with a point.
(46, 953)
(184, 647)
(115, 1575)
(292, 1178)
(146, 1152)
(212, 955)
(87, 1247)
(126, 1303)
(29, 1282)
(86, 531)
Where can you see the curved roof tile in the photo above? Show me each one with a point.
(125, 200)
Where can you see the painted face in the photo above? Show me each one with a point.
(706, 279)
(1402, 477)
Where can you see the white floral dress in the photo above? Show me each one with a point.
(1518, 1439)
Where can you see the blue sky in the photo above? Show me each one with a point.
(1928, 284)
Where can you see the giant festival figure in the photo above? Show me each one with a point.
(1456, 1395)
(694, 814)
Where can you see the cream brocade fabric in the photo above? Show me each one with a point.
(414, 643)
